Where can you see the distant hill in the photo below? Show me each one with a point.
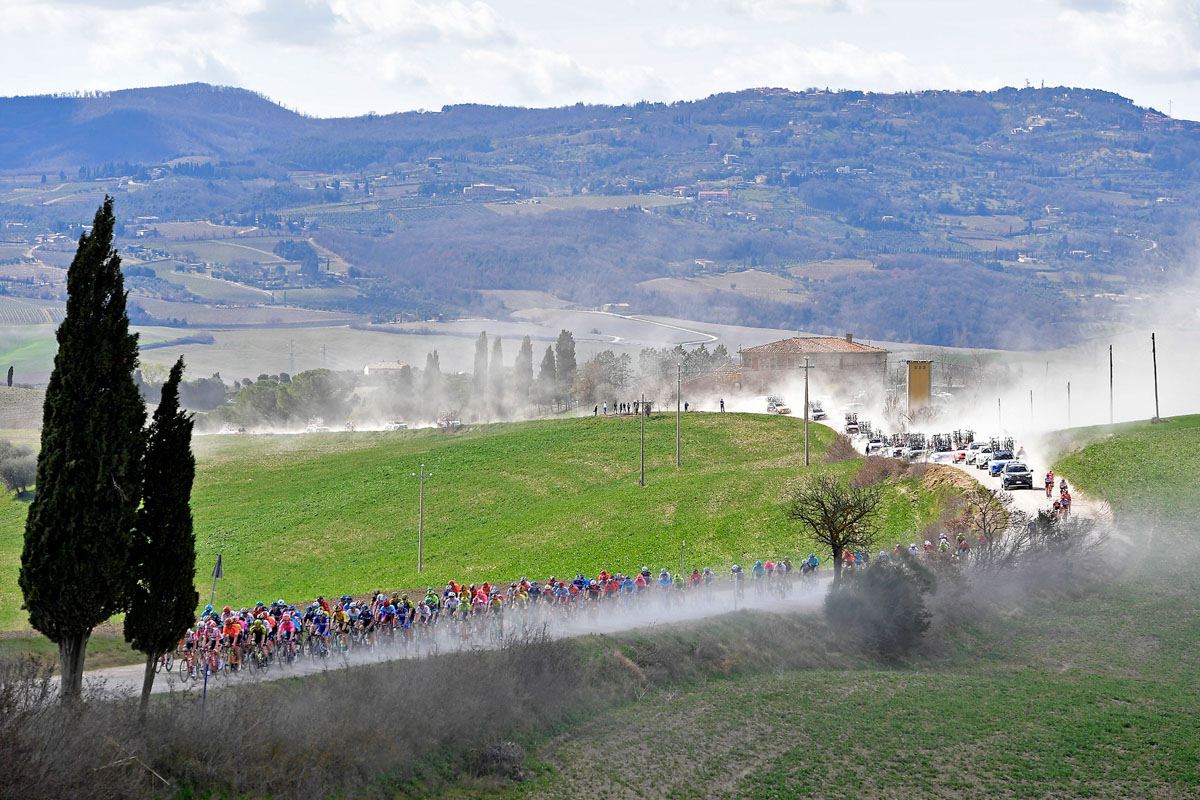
(139, 126)
(1023, 213)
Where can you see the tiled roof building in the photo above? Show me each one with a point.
(838, 359)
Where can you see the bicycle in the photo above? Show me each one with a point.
(188, 665)
(259, 659)
(232, 657)
(165, 662)
(287, 651)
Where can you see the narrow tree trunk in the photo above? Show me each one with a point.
(837, 566)
(71, 650)
(147, 682)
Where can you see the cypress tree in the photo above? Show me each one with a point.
(163, 598)
(431, 383)
(496, 376)
(547, 379)
(480, 375)
(564, 352)
(77, 536)
(523, 370)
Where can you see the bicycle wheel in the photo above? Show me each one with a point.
(169, 658)
(185, 669)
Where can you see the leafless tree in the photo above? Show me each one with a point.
(838, 515)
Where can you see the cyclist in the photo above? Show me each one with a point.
(738, 576)
(758, 570)
(287, 628)
(231, 634)
(664, 579)
(319, 632)
(1049, 482)
(341, 620)
(258, 634)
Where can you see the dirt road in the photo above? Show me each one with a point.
(652, 612)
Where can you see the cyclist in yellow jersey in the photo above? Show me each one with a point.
(341, 620)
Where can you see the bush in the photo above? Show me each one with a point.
(876, 470)
(881, 610)
(18, 467)
(18, 474)
(841, 450)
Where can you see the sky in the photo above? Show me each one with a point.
(350, 57)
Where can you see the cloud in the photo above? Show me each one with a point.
(305, 22)
(776, 11)
(838, 65)
(697, 36)
(1155, 40)
(455, 22)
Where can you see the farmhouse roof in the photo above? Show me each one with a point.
(386, 365)
(803, 345)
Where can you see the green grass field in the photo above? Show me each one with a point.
(297, 516)
(213, 289)
(1142, 469)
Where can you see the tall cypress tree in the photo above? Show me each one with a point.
(480, 375)
(77, 535)
(564, 352)
(547, 379)
(162, 599)
(496, 377)
(523, 370)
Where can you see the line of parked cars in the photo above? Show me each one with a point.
(1000, 463)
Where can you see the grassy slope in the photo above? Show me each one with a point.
(1139, 467)
(295, 516)
(1095, 694)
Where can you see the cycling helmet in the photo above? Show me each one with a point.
(190, 632)
(736, 567)
(208, 608)
(758, 563)
(664, 571)
(227, 610)
(259, 604)
(592, 582)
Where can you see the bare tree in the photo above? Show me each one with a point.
(840, 516)
(989, 518)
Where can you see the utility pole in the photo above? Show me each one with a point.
(999, 416)
(678, 400)
(421, 517)
(292, 355)
(806, 368)
(1068, 404)
(642, 414)
(1031, 416)
(1110, 385)
(682, 550)
(1154, 355)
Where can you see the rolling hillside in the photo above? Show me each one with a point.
(297, 516)
(1056, 204)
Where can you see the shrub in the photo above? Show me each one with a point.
(876, 470)
(18, 467)
(841, 450)
(18, 474)
(882, 609)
